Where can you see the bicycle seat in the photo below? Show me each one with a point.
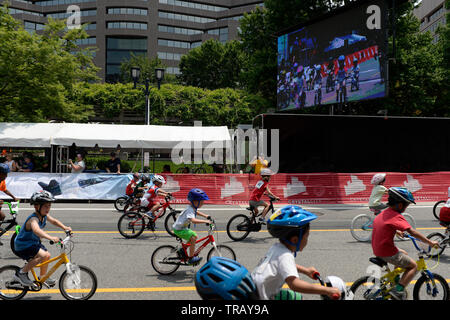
(379, 262)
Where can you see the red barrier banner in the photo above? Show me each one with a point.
(306, 188)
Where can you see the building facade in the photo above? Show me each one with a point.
(164, 28)
(432, 14)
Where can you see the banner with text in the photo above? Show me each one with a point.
(304, 188)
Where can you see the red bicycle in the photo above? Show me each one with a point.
(132, 223)
(167, 259)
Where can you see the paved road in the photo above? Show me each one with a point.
(123, 265)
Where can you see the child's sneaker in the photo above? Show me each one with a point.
(398, 295)
(261, 220)
(49, 283)
(195, 260)
(23, 279)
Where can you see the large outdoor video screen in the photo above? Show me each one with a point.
(334, 60)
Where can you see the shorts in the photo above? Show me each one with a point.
(378, 208)
(148, 203)
(30, 252)
(287, 294)
(399, 259)
(256, 204)
(185, 234)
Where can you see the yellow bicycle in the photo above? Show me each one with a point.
(429, 286)
(76, 282)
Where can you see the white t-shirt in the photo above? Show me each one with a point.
(184, 219)
(81, 164)
(272, 271)
(377, 193)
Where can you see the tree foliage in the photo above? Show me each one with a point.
(213, 65)
(38, 72)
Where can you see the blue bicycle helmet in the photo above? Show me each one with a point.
(287, 220)
(4, 168)
(197, 194)
(224, 278)
(400, 194)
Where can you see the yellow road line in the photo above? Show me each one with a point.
(149, 232)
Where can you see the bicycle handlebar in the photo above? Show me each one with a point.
(414, 240)
(316, 276)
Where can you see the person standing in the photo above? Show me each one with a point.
(79, 164)
(10, 162)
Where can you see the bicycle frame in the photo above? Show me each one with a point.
(61, 259)
(389, 278)
(207, 240)
(12, 222)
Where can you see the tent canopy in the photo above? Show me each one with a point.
(106, 135)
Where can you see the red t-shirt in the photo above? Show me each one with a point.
(130, 188)
(444, 214)
(152, 193)
(259, 190)
(384, 227)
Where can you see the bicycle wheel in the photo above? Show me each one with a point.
(221, 251)
(238, 227)
(437, 208)
(9, 289)
(439, 237)
(361, 227)
(170, 220)
(129, 208)
(120, 203)
(411, 222)
(425, 290)
(131, 225)
(366, 288)
(11, 243)
(165, 260)
(79, 285)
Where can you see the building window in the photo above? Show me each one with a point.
(173, 70)
(18, 11)
(193, 5)
(65, 15)
(131, 11)
(184, 17)
(177, 30)
(87, 41)
(33, 26)
(126, 25)
(169, 56)
(120, 49)
(221, 32)
(174, 43)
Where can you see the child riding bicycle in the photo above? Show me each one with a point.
(149, 198)
(444, 213)
(4, 170)
(197, 198)
(290, 225)
(28, 244)
(385, 226)
(261, 187)
(378, 191)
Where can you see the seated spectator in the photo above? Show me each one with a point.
(45, 167)
(10, 162)
(186, 170)
(166, 169)
(28, 165)
(113, 164)
(79, 164)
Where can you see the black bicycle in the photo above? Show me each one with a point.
(437, 208)
(11, 223)
(240, 225)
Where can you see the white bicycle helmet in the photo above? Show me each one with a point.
(158, 178)
(378, 178)
(336, 282)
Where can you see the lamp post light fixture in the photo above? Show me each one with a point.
(135, 75)
(159, 76)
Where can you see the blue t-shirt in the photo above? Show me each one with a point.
(26, 238)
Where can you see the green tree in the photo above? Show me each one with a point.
(147, 66)
(38, 71)
(213, 65)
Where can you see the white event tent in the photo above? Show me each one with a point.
(45, 135)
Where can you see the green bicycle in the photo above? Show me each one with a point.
(429, 286)
(11, 223)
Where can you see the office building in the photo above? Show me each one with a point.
(164, 28)
(432, 14)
